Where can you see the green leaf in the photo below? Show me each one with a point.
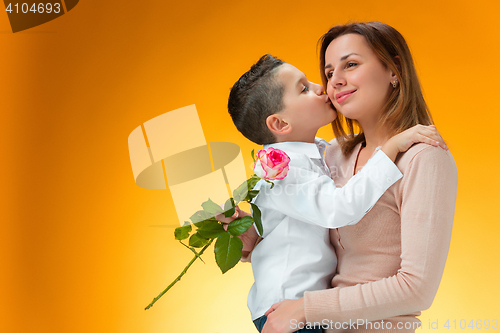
(229, 207)
(202, 223)
(211, 229)
(227, 251)
(196, 240)
(252, 181)
(251, 194)
(253, 155)
(181, 233)
(241, 192)
(256, 214)
(200, 215)
(270, 182)
(240, 225)
(211, 207)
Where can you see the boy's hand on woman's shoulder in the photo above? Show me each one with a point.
(419, 133)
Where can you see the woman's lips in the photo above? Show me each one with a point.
(340, 97)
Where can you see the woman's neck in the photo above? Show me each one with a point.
(375, 135)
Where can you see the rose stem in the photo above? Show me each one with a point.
(180, 275)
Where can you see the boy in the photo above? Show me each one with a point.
(275, 105)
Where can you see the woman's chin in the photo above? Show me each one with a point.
(347, 113)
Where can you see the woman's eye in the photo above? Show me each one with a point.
(350, 64)
(329, 75)
(305, 89)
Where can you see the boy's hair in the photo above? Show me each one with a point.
(254, 97)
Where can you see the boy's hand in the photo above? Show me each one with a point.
(281, 315)
(404, 140)
(249, 237)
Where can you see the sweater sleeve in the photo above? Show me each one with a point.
(428, 191)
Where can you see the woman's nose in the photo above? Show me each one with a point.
(337, 81)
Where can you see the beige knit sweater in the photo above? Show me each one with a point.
(391, 262)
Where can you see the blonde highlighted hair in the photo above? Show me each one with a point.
(406, 106)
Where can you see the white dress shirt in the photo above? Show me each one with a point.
(295, 254)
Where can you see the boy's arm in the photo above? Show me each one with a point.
(315, 199)
(308, 196)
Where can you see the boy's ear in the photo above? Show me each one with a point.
(277, 125)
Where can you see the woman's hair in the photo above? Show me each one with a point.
(406, 106)
(255, 96)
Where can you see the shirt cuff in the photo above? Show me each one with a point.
(381, 167)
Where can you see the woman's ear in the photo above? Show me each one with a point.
(397, 62)
(277, 125)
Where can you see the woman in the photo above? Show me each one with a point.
(390, 263)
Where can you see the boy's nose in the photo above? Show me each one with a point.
(318, 89)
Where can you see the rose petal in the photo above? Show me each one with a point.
(271, 164)
(282, 174)
(270, 172)
(259, 171)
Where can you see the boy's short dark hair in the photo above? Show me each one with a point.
(255, 96)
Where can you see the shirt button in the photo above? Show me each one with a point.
(389, 179)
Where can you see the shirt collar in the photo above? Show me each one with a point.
(311, 150)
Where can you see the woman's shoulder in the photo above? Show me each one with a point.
(426, 156)
(428, 172)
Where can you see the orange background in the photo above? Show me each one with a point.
(83, 249)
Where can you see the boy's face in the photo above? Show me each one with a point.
(306, 107)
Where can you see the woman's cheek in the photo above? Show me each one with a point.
(336, 105)
(331, 94)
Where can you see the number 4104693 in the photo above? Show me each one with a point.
(478, 324)
(35, 8)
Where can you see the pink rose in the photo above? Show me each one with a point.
(271, 164)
